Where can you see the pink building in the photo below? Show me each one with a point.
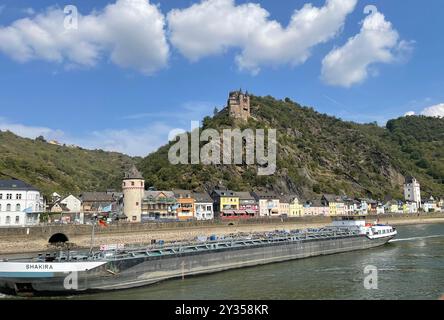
(316, 208)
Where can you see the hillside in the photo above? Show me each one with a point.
(60, 168)
(319, 154)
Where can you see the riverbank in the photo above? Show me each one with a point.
(25, 244)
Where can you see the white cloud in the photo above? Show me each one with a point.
(214, 26)
(29, 131)
(130, 32)
(434, 111)
(135, 141)
(138, 141)
(377, 42)
(409, 113)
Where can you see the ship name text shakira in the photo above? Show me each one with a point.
(211, 147)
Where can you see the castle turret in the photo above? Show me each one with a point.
(239, 105)
(133, 187)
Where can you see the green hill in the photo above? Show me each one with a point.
(319, 154)
(60, 168)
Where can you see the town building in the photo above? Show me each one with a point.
(268, 203)
(380, 209)
(20, 203)
(97, 203)
(410, 207)
(372, 206)
(248, 203)
(159, 205)
(363, 206)
(430, 205)
(72, 203)
(204, 206)
(186, 204)
(133, 186)
(351, 206)
(392, 206)
(284, 205)
(412, 190)
(441, 204)
(335, 204)
(316, 208)
(58, 208)
(239, 105)
(296, 207)
(225, 202)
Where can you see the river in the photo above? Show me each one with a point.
(409, 267)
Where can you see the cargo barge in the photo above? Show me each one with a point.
(123, 268)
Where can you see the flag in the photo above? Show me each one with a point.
(102, 223)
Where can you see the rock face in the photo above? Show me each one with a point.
(317, 154)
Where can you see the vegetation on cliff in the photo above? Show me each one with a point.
(319, 154)
(60, 168)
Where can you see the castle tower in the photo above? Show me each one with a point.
(133, 187)
(239, 105)
(412, 190)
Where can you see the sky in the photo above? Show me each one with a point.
(120, 75)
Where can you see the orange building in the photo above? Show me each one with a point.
(186, 204)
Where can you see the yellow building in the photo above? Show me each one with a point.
(405, 208)
(229, 203)
(225, 200)
(296, 208)
(394, 208)
(335, 204)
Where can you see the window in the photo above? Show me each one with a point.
(18, 196)
(9, 196)
(124, 184)
(208, 208)
(17, 219)
(8, 207)
(132, 183)
(8, 220)
(17, 207)
(0, 207)
(134, 218)
(141, 183)
(137, 204)
(1, 196)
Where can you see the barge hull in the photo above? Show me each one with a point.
(141, 271)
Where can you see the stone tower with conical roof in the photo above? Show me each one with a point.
(133, 187)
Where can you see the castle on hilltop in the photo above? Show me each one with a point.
(239, 105)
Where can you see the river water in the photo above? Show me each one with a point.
(409, 267)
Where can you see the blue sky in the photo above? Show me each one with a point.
(142, 79)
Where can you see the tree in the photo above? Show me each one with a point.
(215, 111)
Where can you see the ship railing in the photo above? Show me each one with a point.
(187, 247)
